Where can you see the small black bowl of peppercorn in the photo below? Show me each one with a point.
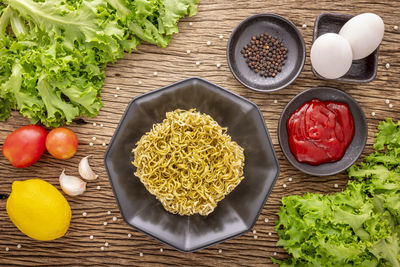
(266, 52)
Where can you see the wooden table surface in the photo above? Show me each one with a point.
(135, 75)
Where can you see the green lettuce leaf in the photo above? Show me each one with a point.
(54, 52)
(359, 226)
(172, 11)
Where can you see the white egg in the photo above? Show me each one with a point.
(331, 55)
(364, 33)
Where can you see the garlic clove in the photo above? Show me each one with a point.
(85, 171)
(72, 185)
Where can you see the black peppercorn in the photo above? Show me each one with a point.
(265, 55)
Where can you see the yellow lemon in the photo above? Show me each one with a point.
(38, 209)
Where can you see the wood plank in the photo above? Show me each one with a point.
(172, 64)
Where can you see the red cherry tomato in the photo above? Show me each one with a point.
(61, 143)
(25, 146)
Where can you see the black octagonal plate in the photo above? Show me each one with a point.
(234, 215)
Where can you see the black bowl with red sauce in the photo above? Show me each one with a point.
(354, 149)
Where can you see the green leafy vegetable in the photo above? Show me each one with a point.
(359, 226)
(54, 52)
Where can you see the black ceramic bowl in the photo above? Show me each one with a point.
(234, 215)
(278, 27)
(361, 70)
(353, 151)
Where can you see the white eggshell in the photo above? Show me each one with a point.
(331, 55)
(364, 33)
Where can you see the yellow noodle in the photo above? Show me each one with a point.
(188, 162)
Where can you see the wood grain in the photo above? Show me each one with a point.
(135, 75)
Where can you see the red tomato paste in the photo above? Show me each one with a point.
(320, 131)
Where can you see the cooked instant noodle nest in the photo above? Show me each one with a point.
(188, 162)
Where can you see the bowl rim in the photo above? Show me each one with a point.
(275, 158)
(342, 79)
(287, 152)
(266, 15)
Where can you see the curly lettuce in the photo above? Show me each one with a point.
(359, 226)
(54, 52)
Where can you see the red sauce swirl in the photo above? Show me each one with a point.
(320, 131)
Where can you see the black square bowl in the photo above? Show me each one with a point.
(234, 215)
(361, 70)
